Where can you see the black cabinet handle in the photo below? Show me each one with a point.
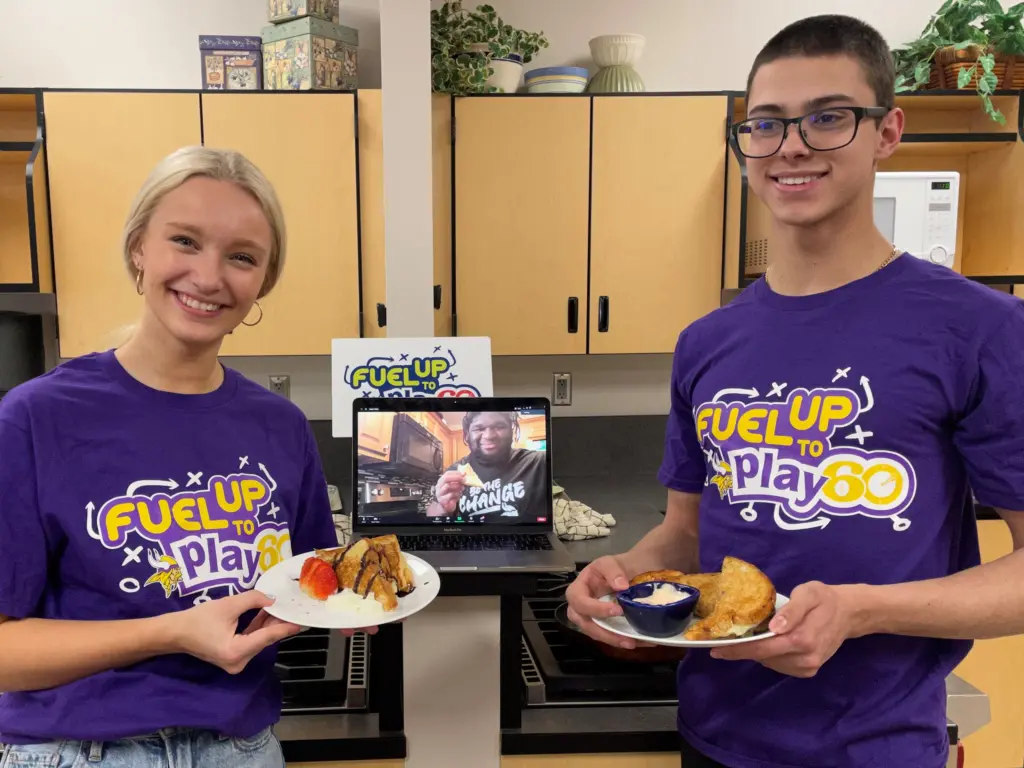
(602, 314)
(382, 315)
(437, 297)
(574, 314)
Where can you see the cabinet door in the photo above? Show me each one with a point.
(656, 222)
(521, 171)
(371, 210)
(375, 434)
(101, 147)
(305, 144)
(994, 667)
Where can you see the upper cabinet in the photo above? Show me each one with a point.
(587, 224)
(520, 244)
(25, 259)
(101, 147)
(318, 297)
(658, 196)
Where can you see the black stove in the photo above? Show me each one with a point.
(323, 672)
(558, 669)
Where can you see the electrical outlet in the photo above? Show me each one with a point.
(281, 385)
(562, 389)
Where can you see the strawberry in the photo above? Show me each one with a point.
(317, 579)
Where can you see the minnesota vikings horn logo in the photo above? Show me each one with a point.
(167, 575)
(722, 479)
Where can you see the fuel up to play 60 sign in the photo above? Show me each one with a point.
(424, 367)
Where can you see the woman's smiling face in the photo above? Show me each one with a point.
(204, 256)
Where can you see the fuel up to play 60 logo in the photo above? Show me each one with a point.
(427, 367)
(802, 453)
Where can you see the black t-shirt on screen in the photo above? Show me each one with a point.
(518, 489)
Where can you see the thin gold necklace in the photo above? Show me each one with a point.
(895, 252)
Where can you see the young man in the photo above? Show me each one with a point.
(496, 479)
(828, 426)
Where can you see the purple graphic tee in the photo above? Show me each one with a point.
(118, 501)
(837, 437)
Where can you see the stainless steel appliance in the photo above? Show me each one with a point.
(413, 452)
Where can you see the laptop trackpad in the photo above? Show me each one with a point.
(467, 561)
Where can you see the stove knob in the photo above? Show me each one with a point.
(938, 254)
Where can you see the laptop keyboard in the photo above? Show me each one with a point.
(476, 542)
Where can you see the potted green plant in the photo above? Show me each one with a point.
(966, 44)
(477, 52)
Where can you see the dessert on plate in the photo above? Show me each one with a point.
(368, 567)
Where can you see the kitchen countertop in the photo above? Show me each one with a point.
(634, 501)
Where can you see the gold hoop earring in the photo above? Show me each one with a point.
(250, 325)
(138, 281)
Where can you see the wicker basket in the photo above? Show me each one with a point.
(949, 61)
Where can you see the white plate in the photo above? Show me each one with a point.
(620, 626)
(294, 605)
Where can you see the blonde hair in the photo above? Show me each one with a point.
(220, 165)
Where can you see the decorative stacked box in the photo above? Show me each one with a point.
(231, 63)
(305, 48)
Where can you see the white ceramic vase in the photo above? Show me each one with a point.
(507, 73)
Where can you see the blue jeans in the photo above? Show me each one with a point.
(169, 748)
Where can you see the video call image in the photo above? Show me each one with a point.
(420, 468)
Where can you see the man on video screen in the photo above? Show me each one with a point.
(496, 479)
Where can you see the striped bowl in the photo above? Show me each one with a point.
(556, 80)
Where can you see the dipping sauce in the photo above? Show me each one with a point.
(349, 602)
(664, 594)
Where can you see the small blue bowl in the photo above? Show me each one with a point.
(658, 620)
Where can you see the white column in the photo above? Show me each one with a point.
(450, 649)
(408, 200)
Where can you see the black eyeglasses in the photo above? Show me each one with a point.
(822, 131)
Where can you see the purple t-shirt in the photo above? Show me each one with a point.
(118, 501)
(837, 437)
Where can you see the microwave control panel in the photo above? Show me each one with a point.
(940, 222)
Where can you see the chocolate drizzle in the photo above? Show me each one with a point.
(362, 569)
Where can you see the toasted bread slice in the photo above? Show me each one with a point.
(746, 602)
(705, 583)
(393, 563)
(360, 570)
(469, 475)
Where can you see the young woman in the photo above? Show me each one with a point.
(142, 492)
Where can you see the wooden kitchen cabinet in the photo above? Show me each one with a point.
(101, 147)
(995, 668)
(658, 185)
(371, 211)
(318, 297)
(625, 760)
(25, 263)
(375, 434)
(520, 241)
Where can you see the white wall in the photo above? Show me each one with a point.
(141, 43)
(691, 45)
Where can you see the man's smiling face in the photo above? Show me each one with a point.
(802, 186)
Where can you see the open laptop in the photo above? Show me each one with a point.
(465, 483)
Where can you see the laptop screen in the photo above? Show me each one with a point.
(442, 461)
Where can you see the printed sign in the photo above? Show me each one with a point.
(423, 367)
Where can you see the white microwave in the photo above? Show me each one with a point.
(918, 211)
